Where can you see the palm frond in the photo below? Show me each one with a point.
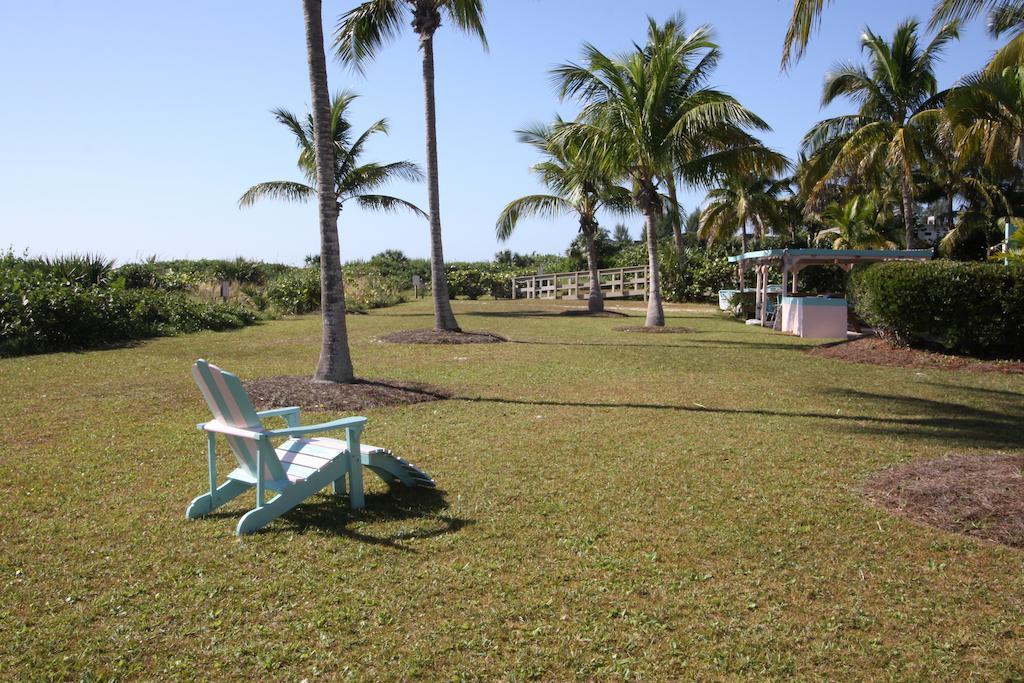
(468, 16)
(806, 17)
(364, 30)
(385, 203)
(285, 190)
(532, 206)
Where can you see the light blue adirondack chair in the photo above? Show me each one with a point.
(297, 468)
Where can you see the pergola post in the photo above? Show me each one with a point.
(757, 291)
(764, 295)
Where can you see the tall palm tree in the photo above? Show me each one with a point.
(361, 33)
(335, 364)
(352, 180)
(896, 97)
(580, 184)
(654, 116)
(741, 201)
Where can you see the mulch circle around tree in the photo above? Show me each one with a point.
(677, 329)
(277, 392)
(979, 496)
(441, 337)
(584, 313)
(875, 351)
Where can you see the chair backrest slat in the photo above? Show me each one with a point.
(231, 406)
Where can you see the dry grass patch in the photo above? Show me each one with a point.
(980, 496)
(875, 351)
(441, 337)
(584, 313)
(677, 329)
(363, 394)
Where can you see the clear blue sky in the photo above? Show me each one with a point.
(131, 128)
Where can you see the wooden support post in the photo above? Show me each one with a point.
(764, 295)
(355, 468)
(758, 275)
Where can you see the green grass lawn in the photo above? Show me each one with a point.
(612, 505)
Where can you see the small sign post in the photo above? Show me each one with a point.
(417, 286)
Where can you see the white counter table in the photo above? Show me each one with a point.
(814, 317)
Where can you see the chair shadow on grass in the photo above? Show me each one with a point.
(331, 514)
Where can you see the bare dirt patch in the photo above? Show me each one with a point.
(278, 392)
(584, 313)
(675, 329)
(875, 351)
(978, 496)
(441, 337)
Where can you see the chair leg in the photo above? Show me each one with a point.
(291, 496)
(208, 502)
(338, 485)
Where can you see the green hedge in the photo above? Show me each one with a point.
(39, 313)
(970, 308)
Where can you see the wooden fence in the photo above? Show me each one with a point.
(616, 283)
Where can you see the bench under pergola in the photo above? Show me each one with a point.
(791, 261)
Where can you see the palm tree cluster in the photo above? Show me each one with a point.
(648, 121)
(862, 177)
(329, 156)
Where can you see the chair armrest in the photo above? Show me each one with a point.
(290, 415)
(278, 412)
(219, 428)
(334, 425)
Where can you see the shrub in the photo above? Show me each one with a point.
(155, 276)
(365, 292)
(467, 281)
(741, 304)
(296, 292)
(706, 270)
(971, 308)
(40, 313)
(473, 280)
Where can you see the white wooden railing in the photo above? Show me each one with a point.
(615, 283)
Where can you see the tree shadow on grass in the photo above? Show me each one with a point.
(944, 422)
(511, 314)
(691, 343)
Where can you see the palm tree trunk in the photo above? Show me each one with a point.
(648, 204)
(908, 208)
(677, 224)
(335, 363)
(595, 300)
(444, 319)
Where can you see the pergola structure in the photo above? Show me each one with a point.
(792, 261)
